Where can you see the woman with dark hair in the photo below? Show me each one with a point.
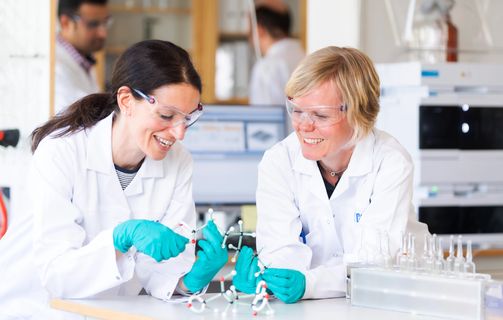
(111, 184)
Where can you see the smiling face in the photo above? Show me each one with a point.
(326, 142)
(151, 134)
(140, 131)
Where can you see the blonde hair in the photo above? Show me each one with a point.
(353, 73)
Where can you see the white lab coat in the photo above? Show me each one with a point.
(291, 197)
(271, 73)
(78, 201)
(72, 82)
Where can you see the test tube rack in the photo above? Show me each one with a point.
(452, 296)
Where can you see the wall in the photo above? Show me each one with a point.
(334, 22)
(377, 37)
(24, 86)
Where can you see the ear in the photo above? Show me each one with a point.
(261, 31)
(65, 21)
(125, 100)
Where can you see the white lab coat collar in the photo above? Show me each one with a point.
(303, 165)
(309, 167)
(99, 152)
(361, 161)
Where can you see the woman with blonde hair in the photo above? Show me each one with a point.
(334, 177)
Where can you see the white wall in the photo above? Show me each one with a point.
(24, 86)
(332, 22)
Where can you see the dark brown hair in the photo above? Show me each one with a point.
(71, 7)
(145, 66)
(276, 23)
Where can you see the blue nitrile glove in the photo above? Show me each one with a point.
(149, 237)
(210, 259)
(286, 284)
(246, 267)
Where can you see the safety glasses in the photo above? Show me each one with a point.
(320, 116)
(171, 116)
(94, 24)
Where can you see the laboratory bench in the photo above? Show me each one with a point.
(147, 307)
(490, 261)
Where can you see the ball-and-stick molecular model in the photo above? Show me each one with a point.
(197, 302)
(240, 234)
(189, 229)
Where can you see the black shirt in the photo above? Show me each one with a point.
(328, 186)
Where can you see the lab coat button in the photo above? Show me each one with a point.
(328, 221)
(117, 277)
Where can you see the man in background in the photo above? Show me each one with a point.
(83, 31)
(280, 53)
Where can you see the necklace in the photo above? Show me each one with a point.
(332, 173)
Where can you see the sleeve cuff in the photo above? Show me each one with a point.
(188, 293)
(126, 264)
(325, 282)
(310, 284)
(165, 291)
(160, 279)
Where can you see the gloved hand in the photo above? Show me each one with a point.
(149, 237)
(246, 267)
(286, 284)
(210, 259)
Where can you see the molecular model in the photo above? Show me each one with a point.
(260, 300)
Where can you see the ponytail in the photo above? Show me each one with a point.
(82, 114)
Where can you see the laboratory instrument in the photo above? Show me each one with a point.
(448, 116)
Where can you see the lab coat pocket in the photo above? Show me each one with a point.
(361, 202)
(354, 225)
(322, 240)
(352, 235)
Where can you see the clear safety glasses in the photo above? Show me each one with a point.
(320, 116)
(171, 116)
(94, 24)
